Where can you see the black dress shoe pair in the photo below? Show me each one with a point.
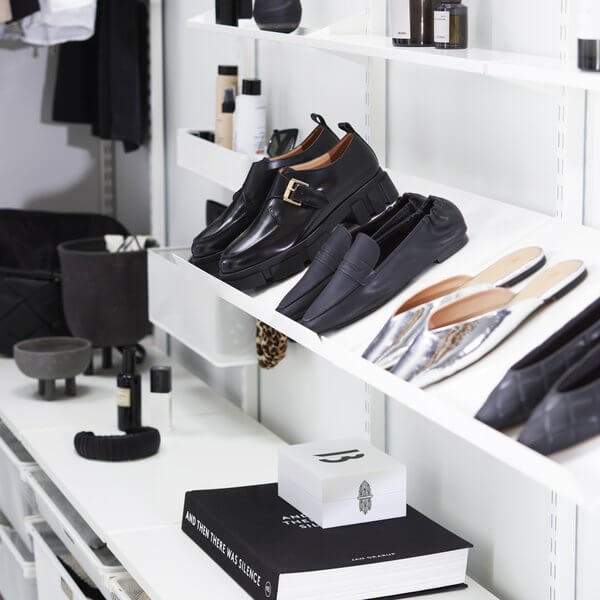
(350, 280)
(555, 389)
(208, 246)
(303, 206)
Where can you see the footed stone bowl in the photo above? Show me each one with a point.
(52, 358)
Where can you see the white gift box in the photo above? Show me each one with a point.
(342, 482)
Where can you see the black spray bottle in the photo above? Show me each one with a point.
(129, 393)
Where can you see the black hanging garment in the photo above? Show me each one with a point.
(103, 81)
(23, 8)
(30, 291)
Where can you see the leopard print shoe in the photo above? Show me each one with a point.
(271, 345)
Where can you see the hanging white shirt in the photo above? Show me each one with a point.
(60, 21)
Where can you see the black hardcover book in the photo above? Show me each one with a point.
(272, 551)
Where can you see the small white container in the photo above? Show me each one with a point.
(342, 482)
(17, 566)
(16, 501)
(211, 327)
(250, 120)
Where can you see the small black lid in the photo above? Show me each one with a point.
(228, 70)
(229, 101)
(128, 362)
(160, 380)
(205, 135)
(251, 87)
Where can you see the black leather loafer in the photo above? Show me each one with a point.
(377, 268)
(304, 205)
(325, 263)
(529, 380)
(570, 413)
(208, 246)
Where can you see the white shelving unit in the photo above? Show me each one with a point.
(453, 403)
(527, 513)
(348, 36)
(136, 508)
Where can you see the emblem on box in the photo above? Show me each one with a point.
(365, 497)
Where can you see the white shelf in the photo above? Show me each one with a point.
(220, 165)
(494, 229)
(202, 321)
(137, 507)
(349, 36)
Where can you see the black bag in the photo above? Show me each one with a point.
(30, 292)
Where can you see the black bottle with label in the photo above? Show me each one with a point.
(588, 35)
(411, 22)
(450, 25)
(129, 393)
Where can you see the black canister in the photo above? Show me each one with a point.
(105, 295)
(283, 16)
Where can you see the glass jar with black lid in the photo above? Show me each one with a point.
(451, 25)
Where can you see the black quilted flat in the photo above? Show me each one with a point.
(529, 380)
(570, 413)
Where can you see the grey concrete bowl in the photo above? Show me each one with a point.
(52, 358)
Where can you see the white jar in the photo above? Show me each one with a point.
(250, 121)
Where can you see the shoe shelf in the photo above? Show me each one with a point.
(214, 329)
(452, 403)
(349, 36)
(135, 507)
(220, 165)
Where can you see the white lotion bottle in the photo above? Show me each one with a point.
(250, 121)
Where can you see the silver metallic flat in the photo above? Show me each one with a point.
(462, 332)
(410, 319)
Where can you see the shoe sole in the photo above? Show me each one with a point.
(371, 199)
(210, 264)
(526, 274)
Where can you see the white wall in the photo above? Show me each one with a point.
(46, 165)
(43, 165)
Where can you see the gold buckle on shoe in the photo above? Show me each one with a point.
(292, 186)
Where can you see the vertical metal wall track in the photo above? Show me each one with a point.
(571, 112)
(108, 204)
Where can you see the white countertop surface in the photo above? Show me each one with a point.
(137, 507)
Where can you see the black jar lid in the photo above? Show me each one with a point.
(160, 380)
(251, 87)
(228, 70)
